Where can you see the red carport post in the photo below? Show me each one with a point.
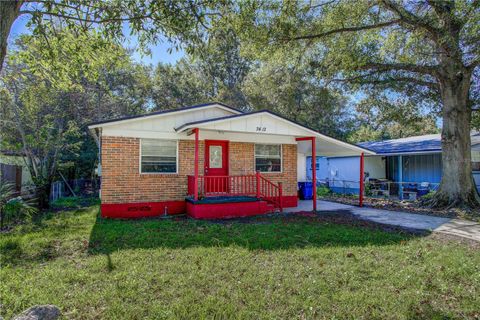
(314, 169)
(314, 174)
(195, 182)
(362, 169)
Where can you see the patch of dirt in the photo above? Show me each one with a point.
(343, 217)
(405, 206)
(448, 238)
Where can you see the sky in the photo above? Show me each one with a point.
(159, 51)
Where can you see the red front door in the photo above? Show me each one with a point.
(216, 165)
(216, 158)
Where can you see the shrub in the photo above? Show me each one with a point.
(13, 208)
(73, 202)
(428, 196)
(323, 191)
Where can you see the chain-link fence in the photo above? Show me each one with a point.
(378, 188)
(75, 188)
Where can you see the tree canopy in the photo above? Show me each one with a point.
(150, 21)
(425, 51)
(45, 106)
(405, 63)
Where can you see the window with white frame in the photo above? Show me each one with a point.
(158, 156)
(475, 160)
(268, 157)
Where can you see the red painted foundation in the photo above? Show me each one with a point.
(142, 210)
(290, 201)
(227, 210)
(200, 211)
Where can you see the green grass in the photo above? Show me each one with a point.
(73, 202)
(273, 268)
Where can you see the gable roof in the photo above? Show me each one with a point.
(163, 112)
(303, 130)
(430, 143)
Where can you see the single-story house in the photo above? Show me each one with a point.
(14, 170)
(208, 161)
(404, 163)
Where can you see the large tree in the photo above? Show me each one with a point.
(150, 20)
(45, 105)
(380, 117)
(215, 70)
(179, 85)
(294, 92)
(418, 49)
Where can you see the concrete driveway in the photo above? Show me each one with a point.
(462, 228)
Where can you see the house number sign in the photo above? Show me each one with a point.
(261, 129)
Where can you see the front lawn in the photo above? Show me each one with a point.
(270, 267)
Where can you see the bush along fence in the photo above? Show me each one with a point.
(376, 188)
(16, 206)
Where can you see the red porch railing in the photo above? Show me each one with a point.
(271, 192)
(244, 185)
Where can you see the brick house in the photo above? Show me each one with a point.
(208, 161)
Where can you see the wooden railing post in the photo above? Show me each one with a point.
(257, 176)
(280, 192)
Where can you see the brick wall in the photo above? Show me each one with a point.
(242, 161)
(123, 183)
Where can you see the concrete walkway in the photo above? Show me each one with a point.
(462, 228)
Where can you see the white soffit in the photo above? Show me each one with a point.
(172, 118)
(266, 123)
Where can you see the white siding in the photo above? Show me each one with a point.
(347, 168)
(301, 167)
(375, 166)
(259, 124)
(162, 124)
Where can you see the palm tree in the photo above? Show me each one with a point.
(13, 206)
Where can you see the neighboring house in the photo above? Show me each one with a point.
(14, 170)
(414, 160)
(203, 160)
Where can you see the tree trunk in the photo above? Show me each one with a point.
(457, 188)
(43, 194)
(8, 13)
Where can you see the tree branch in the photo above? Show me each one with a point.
(475, 63)
(430, 70)
(364, 79)
(87, 20)
(347, 29)
(410, 18)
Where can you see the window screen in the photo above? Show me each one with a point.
(268, 157)
(158, 156)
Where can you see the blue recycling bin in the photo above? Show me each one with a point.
(306, 190)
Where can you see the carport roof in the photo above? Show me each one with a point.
(431, 143)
